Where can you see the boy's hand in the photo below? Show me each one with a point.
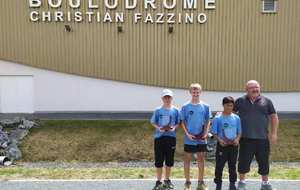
(161, 130)
(222, 143)
(236, 142)
(191, 137)
(205, 135)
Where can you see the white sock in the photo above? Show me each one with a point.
(265, 182)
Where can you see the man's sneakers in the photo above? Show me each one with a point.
(241, 186)
(266, 186)
(201, 186)
(158, 186)
(168, 184)
(187, 185)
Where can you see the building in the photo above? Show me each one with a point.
(117, 56)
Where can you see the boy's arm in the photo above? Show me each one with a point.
(157, 127)
(207, 123)
(206, 129)
(237, 139)
(191, 137)
(154, 121)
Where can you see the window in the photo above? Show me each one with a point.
(269, 6)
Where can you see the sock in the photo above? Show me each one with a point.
(265, 182)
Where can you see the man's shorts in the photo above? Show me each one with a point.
(195, 148)
(164, 150)
(260, 148)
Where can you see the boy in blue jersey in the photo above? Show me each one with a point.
(165, 119)
(195, 116)
(226, 127)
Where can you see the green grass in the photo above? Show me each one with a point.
(102, 141)
(126, 173)
(288, 146)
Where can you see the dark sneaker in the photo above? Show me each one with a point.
(266, 187)
(241, 186)
(158, 186)
(219, 186)
(201, 186)
(232, 186)
(168, 184)
(187, 185)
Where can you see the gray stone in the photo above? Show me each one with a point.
(17, 120)
(18, 134)
(9, 141)
(21, 126)
(4, 140)
(13, 152)
(28, 124)
(7, 123)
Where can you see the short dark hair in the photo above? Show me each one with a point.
(228, 99)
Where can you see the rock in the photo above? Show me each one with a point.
(9, 141)
(4, 140)
(21, 126)
(14, 152)
(18, 134)
(7, 123)
(27, 124)
(17, 120)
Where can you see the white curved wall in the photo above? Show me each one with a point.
(56, 92)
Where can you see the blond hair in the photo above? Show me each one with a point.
(195, 86)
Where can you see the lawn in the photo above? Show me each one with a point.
(102, 141)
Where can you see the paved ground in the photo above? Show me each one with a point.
(123, 185)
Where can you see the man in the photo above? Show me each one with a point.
(255, 112)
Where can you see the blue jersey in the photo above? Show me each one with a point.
(194, 117)
(226, 127)
(164, 116)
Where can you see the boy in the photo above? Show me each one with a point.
(165, 119)
(195, 117)
(226, 127)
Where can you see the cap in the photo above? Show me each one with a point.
(167, 92)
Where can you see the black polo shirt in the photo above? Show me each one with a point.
(254, 116)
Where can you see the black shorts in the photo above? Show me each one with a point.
(164, 150)
(260, 148)
(195, 148)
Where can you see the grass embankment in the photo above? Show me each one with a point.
(102, 141)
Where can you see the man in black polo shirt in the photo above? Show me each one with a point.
(255, 112)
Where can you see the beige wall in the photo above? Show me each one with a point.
(237, 43)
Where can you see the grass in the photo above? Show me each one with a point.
(288, 146)
(127, 173)
(102, 141)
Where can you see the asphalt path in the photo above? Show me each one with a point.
(125, 184)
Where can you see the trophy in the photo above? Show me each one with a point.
(200, 136)
(227, 140)
(168, 120)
